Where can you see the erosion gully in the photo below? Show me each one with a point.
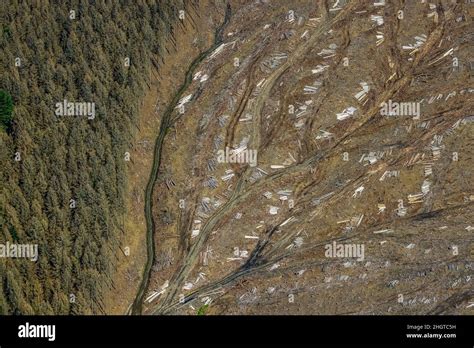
(166, 123)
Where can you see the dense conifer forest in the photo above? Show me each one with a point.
(63, 178)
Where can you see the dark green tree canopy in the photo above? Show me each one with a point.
(6, 109)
